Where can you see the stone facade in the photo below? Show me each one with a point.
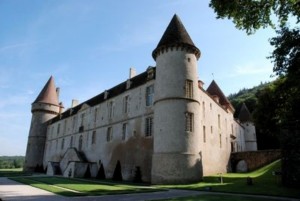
(161, 120)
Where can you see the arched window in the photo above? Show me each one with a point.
(80, 143)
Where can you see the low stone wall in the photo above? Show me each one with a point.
(253, 159)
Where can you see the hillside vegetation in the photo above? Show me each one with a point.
(9, 162)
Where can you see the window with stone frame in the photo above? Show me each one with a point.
(204, 134)
(62, 144)
(94, 137)
(149, 95)
(126, 104)
(109, 134)
(149, 126)
(189, 121)
(189, 89)
(124, 131)
(110, 109)
(58, 129)
(80, 143)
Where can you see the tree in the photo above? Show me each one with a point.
(251, 15)
(117, 176)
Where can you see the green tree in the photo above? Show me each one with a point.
(250, 15)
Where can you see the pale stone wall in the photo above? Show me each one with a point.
(134, 150)
(176, 156)
(41, 113)
(250, 136)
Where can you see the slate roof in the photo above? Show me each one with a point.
(174, 36)
(100, 98)
(244, 114)
(48, 93)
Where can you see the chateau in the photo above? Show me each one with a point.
(162, 121)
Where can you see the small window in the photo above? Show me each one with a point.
(94, 137)
(204, 134)
(189, 89)
(82, 116)
(110, 109)
(203, 109)
(71, 141)
(109, 134)
(149, 95)
(189, 121)
(220, 136)
(149, 126)
(219, 121)
(211, 130)
(125, 104)
(95, 115)
(124, 131)
(80, 143)
(62, 144)
(58, 128)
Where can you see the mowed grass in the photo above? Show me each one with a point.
(80, 187)
(12, 172)
(264, 183)
(215, 197)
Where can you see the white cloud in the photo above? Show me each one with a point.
(251, 69)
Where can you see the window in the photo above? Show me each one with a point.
(65, 127)
(189, 89)
(74, 122)
(110, 109)
(219, 121)
(80, 143)
(94, 137)
(71, 141)
(124, 131)
(203, 109)
(189, 121)
(109, 134)
(211, 130)
(149, 95)
(149, 126)
(204, 134)
(82, 116)
(62, 144)
(58, 128)
(125, 104)
(220, 136)
(95, 115)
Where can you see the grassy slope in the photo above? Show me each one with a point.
(264, 183)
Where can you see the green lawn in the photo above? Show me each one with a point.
(12, 172)
(264, 183)
(218, 198)
(80, 187)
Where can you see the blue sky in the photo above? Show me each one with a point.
(89, 46)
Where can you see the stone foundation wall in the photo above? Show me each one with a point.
(254, 159)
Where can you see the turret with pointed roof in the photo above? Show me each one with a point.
(244, 115)
(48, 93)
(176, 36)
(45, 107)
(214, 90)
(177, 100)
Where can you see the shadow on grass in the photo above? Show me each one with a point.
(264, 183)
(13, 172)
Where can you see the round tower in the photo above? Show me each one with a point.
(44, 108)
(176, 151)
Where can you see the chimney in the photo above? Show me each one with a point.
(132, 73)
(200, 84)
(74, 103)
(61, 108)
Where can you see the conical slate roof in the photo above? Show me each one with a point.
(174, 36)
(214, 90)
(244, 114)
(48, 94)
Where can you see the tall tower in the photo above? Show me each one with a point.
(249, 132)
(45, 107)
(176, 152)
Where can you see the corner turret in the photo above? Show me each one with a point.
(45, 107)
(250, 134)
(176, 157)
